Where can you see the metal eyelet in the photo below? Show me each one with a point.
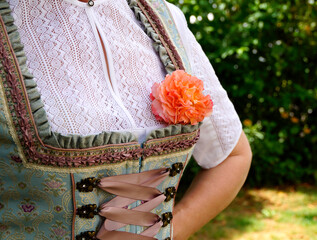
(87, 211)
(176, 169)
(170, 193)
(89, 235)
(166, 218)
(87, 184)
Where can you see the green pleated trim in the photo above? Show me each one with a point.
(73, 141)
(172, 130)
(157, 44)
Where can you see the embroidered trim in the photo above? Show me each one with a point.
(159, 28)
(169, 145)
(152, 148)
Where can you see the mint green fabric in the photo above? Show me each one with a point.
(37, 204)
(173, 130)
(157, 44)
(34, 204)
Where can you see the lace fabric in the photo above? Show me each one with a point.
(221, 131)
(83, 94)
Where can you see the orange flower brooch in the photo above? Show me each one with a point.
(179, 99)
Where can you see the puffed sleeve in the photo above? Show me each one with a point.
(221, 131)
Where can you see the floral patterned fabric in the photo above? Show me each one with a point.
(33, 204)
(38, 200)
(36, 204)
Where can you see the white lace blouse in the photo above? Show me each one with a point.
(86, 90)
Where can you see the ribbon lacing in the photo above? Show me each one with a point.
(129, 189)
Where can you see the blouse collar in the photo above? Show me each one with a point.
(84, 3)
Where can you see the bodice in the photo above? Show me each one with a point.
(46, 182)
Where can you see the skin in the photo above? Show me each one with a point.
(212, 191)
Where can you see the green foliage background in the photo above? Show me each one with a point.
(265, 54)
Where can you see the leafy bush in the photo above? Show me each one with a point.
(265, 54)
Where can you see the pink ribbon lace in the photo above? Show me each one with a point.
(129, 189)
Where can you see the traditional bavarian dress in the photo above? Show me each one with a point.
(103, 186)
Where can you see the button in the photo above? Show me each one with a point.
(166, 218)
(91, 3)
(89, 235)
(176, 169)
(87, 184)
(170, 193)
(87, 211)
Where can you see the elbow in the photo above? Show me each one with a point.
(247, 154)
(243, 152)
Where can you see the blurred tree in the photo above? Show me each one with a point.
(265, 54)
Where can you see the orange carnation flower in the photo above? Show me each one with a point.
(179, 99)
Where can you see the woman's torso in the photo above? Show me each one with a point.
(83, 90)
(39, 197)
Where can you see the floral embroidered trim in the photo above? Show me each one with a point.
(155, 147)
(159, 28)
(169, 145)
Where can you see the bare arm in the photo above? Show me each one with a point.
(212, 191)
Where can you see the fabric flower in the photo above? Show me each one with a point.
(180, 99)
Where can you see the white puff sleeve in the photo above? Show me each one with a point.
(221, 131)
